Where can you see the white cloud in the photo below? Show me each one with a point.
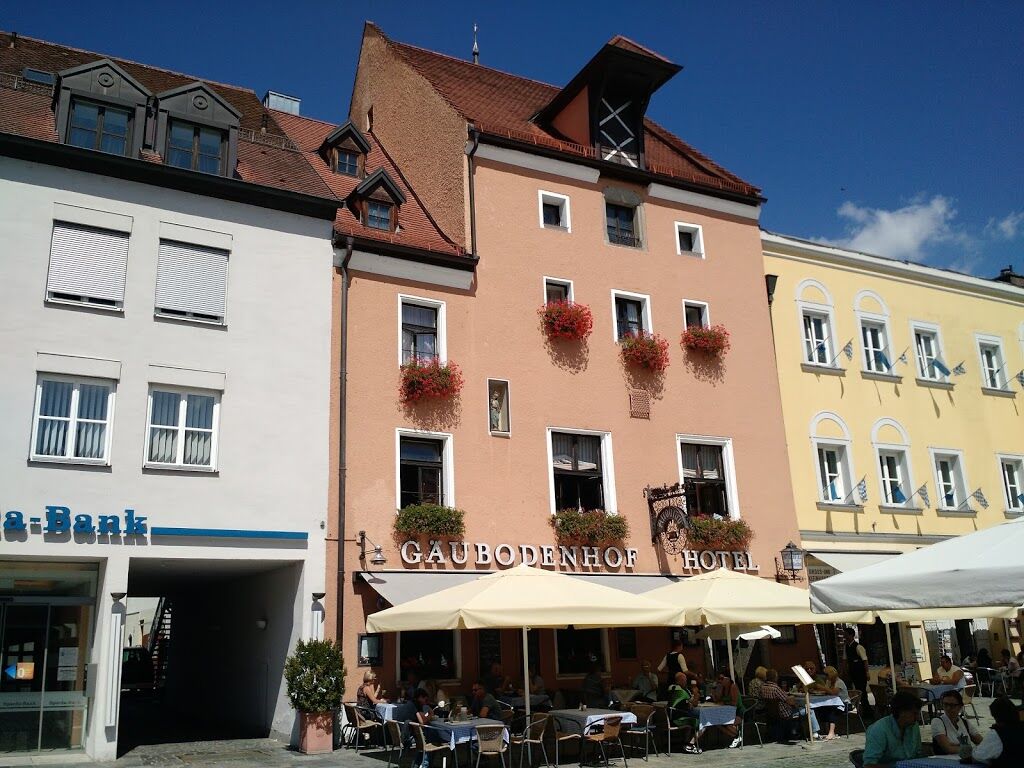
(904, 232)
(1006, 228)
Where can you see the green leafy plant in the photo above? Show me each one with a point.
(709, 533)
(589, 526)
(431, 520)
(315, 676)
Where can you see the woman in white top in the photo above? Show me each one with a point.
(833, 686)
(951, 728)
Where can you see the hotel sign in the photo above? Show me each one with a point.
(438, 552)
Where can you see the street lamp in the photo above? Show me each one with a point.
(377, 558)
(791, 565)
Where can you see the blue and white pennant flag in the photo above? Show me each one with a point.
(923, 493)
(959, 370)
(848, 350)
(979, 497)
(862, 490)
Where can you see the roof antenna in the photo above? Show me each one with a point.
(476, 48)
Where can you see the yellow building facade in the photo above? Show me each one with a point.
(903, 400)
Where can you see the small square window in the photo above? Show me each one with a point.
(421, 471)
(689, 239)
(557, 290)
(696, 315)
(370, 650)
(554, 211)
(347, 162)
(378, 215)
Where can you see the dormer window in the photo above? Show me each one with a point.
(376, 201)
(195, 147)
(378, 215)
(345, 150)
(347, 162)
(98, 126)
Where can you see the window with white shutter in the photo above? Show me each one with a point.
(191, 281)
(87, 265)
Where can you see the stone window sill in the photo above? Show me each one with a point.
(933, 384)
(822, 370)
(998, 392)
(945, 512)
(875, 376)
(899, 509)
(826, 506)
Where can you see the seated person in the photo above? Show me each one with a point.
(984, 658)
(424, 716)
(482, 703)
(894, 737)
(787, 707)
(408, 689)
(754, 687)
(680, 710)
(951, 728)
(833, 686)
(1003, 746)
(818, 677)
(646, 683)
(949, 673)
(594, 689)
(369, 694)
(537, 686)
(728, 694)
(497, 682)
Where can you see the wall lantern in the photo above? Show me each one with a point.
(792, 563)
(377, 558)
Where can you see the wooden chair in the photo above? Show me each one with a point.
(610, 734)
(490, 740)
(429, 749)
(644, 728)
(393, 739)
(853, 707)
(749, 708)
(573, 732)
(532, 735)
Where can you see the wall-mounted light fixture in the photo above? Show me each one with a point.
(792, 563)
(261, 623)
(118, 596)
(377, 558)
(770, 281)
(319, 596)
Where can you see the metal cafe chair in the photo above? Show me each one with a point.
(490, 741)
(644, 728)
(749, 709)
(688, 726)
(573, 731)
(429, 749)
(610, 734)
(853, 707)
(968, 696)
(394, 740)
(532, 735)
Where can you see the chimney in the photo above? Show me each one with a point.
(1009, 276)
(282, 102)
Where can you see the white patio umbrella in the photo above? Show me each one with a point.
(524, 598)
(749, 633)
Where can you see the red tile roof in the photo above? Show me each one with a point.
(416, 228)
(265, 155)
(502, 104)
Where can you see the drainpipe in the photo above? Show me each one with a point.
(342, 409)
(474, 138)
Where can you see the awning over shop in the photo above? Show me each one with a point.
(635, 585)
(845, 562)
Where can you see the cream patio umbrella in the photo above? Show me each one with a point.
(525, 597)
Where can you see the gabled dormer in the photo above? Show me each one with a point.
(345, 151)
(100, 106)
(376, 201)
(603, 106)
(196, 129)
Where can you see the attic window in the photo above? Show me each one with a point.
(347, 162)
(97, 126)
(378, 215)
(195, 147)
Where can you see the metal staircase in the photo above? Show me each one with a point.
(160, 641)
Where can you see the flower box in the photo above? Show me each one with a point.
(710, 341)
(429, 379)
(708, 533)
(592, 527)
(566, 320)
(430, 520)
(645, 350)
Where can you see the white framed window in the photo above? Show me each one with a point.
(557, 289)
(1011, 470)
(893, 468)
(631, 313)
(191, 282)
(696, 314)
(424, 468)
(422, 331)
(182, 428)
(874, 335)
(72, 420)
(993, 363)
(577, 649)
(818, 343)
(690, 240)
(834, 481)
(707, 472)
(554, 211)
(928, 352)
(950, 480)
(581, 469)
(87, 266)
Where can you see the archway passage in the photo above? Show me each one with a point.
(208, 663)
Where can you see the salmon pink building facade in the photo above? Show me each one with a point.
(559, 324)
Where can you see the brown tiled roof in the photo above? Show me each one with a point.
(265, 155)
(417, 228)
(502, 104)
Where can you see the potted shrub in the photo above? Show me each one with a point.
(566, 319)
(645, 350)
(315, 676)
(429, 379)
(590, 527)
(712, 534)
(710, 341)
(435, 520)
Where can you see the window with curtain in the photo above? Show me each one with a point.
(576, 465)
(419, 333)
(72, 420)
(421, 466)
(629, 316)
(182, 429)
(695, 315)
(704, 479)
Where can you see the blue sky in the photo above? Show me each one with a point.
(895, 128)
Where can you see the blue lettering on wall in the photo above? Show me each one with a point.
(60, 519)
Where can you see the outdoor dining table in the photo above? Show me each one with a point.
(518, 702)
(588, 719)
(826, 700)
(935, 690)
(939, 761)
(400, 711)
(715, 714)
(452, 732)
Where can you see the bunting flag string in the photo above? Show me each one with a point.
(959, 370)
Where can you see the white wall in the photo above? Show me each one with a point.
(274, 354)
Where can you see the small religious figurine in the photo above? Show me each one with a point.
(495, 410)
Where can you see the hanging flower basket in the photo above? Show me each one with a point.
(591, 527)
(645, 350)
(429, 379)
(711, 534)
(566, 320)
(710, 341)
(430, 520)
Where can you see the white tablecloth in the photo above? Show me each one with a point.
(392, 711)
(536, 700)
(591, 718)
(716, 714)
(826, 700)
(462, 732)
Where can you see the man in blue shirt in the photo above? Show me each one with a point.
(895, 737)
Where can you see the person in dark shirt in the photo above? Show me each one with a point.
(483, 704)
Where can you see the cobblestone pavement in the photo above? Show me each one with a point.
(268, 753)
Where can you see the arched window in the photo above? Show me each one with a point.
(892, 450)
(817, 323)
(875, 333)
(830, 440)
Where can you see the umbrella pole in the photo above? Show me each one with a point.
(728, 644)
(526, 673)
(892, 663)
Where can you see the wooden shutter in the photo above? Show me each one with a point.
(87, 264)
(191, 280)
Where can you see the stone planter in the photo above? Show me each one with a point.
(316, 733)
